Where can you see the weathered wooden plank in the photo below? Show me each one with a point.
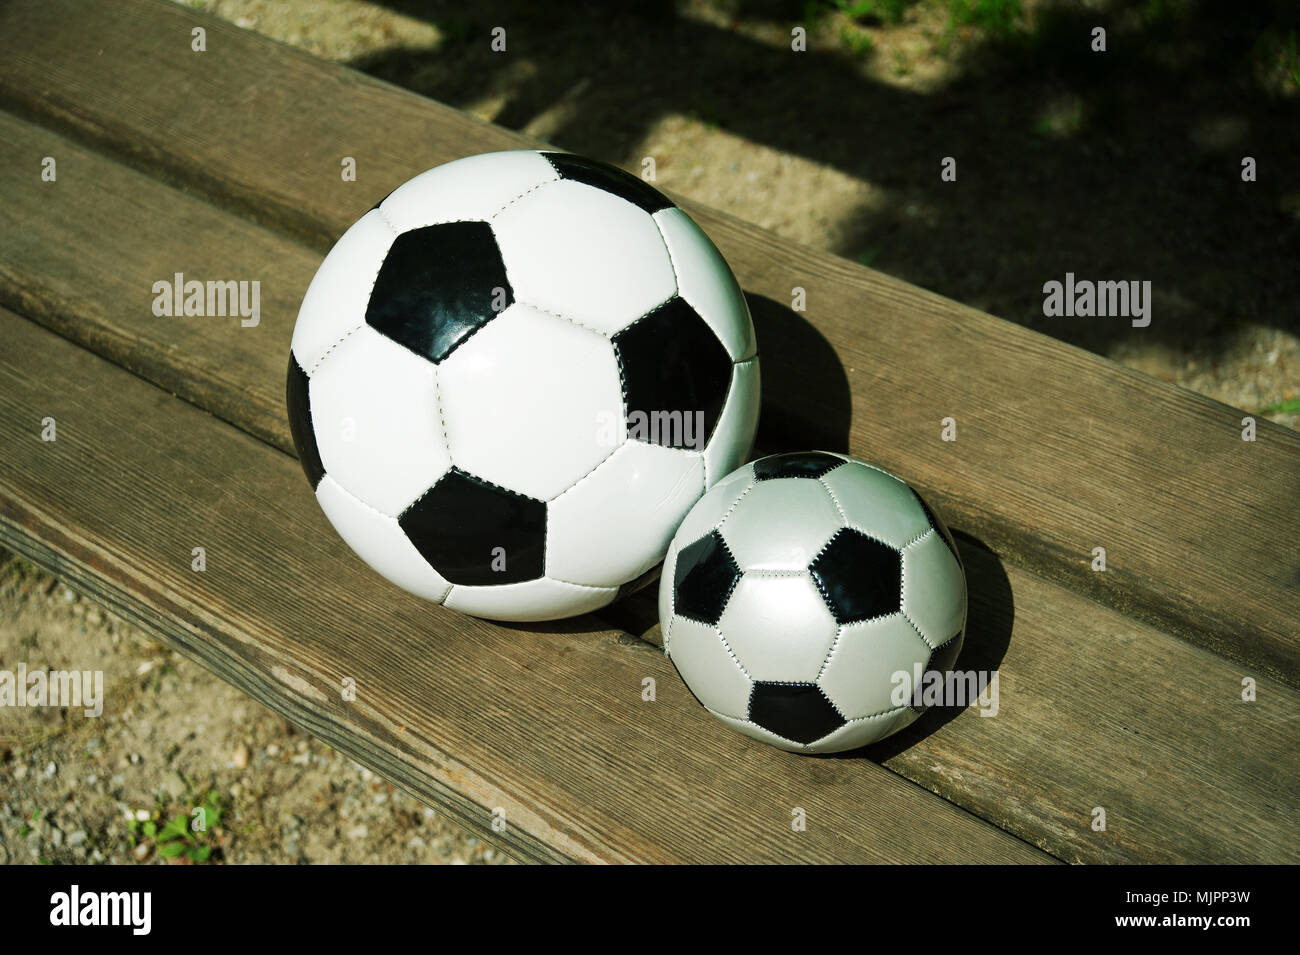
(1058, 451)
(59, 268)
(1055, 741)
(548, 724)
(1098, 710)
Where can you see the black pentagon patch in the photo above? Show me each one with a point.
(458, 524)
(797, 711)
(704, 578)
(675, 376)
(609, 179)
(939, 526)
(858, 576)
(438, 285)
(298, 401)
(799, 464)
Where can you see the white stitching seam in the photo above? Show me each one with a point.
(325, 354)
(902, 592)
(378, 268)
(510, 202)
(572, 321)
(571, 583)
(731, 653)
(834, 500)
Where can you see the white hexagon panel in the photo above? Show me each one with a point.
(586, 254)
(379, 456)
(542, 388)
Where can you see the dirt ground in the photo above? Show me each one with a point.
(1064, 168)
(169, 735)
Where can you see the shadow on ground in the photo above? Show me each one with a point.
(1117, 165)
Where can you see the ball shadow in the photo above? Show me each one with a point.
(807, 404)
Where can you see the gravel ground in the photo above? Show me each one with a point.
(169, 735)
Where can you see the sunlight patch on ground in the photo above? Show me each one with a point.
(340, 30)
(795, 197)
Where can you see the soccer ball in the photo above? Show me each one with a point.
(512, 378)
(799, 588)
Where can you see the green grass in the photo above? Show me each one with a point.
(16, 568)
(857, 42)
(454, 31)
(869, 255)
(1291, 58)
(998, 18)
(1278, 54)
(1161, 12)
(177, 837)
(24, 829)
(1289, 406)
(883, 11)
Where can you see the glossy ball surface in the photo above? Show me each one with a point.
(511, 379)
(799, 588)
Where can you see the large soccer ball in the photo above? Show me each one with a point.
(796, 591)
(512, 378)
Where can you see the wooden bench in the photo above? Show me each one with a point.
(1120, 689)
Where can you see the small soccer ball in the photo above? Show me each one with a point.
(511, 379)
(797, 591)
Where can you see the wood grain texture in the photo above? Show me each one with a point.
(547, 723)
(1058, 451)
(1074, 673)
(1098, 710)
(58, 269)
